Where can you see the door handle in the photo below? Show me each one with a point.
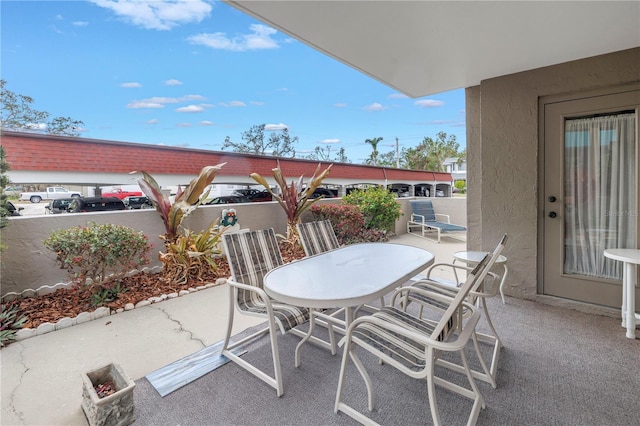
(552, 214)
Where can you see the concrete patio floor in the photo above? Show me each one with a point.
(41, 376)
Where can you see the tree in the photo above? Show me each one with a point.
(320, 154)
(388, 159)
(4, 181)
(374, 155)
(341, 157)
(278, 144)
(430, 154)
(17, 114)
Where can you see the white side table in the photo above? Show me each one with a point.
(630, 259)
(472, 258)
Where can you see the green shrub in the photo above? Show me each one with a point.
(379, 207)
(348, 223)
(98, 252)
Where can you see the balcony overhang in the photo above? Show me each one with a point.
(425, 47)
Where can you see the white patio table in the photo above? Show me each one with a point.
(630, 259)
(347, 277)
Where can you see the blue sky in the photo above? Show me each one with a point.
(191, 72)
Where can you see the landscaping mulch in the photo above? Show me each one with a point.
(70, 302)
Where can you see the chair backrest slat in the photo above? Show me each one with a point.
(424, 208)
(251, 255)
(317, 237)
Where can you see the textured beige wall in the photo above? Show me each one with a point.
(27, 264)
(503, 157)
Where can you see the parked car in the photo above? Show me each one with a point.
(260, 196)
(96, 204)
(228, 199)
(13, 211)
(137, 203)
(323, 192)
(58, 206)
(246, 192)
(12, 191)
(121, 193)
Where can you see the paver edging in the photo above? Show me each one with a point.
(100, 312)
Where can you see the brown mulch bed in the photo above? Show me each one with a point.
(71, 302)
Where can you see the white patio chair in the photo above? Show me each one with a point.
(251, 255)
(412, 345)
(317, 237)
(486, 287)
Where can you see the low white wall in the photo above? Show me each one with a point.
(27, 264)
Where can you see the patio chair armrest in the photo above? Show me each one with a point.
(447, 218)
(263, 295)
(416, 218)
(438, 287)
(451, 266)
(404, 292)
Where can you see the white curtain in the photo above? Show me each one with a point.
(600, 192)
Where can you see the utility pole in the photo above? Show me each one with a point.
(397, 155)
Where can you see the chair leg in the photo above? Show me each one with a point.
(275, 382)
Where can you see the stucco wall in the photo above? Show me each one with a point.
(503, 160)
(27, 264)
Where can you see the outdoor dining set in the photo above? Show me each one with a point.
(374, 298)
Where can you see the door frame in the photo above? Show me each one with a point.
(541, 201)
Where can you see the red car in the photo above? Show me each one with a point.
(121, 194)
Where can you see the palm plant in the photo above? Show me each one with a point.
(185, 201)
(188, 255)
(295, 198)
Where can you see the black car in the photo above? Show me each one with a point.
(96, 204)
(13, 211)
(260, 197)
(246, 192)
(323, 192)
(137, 203)
(228, 199)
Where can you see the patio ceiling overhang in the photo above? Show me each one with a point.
(422, 48)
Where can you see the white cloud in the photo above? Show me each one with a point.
(206, 123)
(158, 15)
(428, 103)
(144, 104)
(80, 23)
(375, 107)
(275, 127)
(397, 96)
(258, 39)
(160, 101)
(133, 84)
(153, 121)
(257, 103)
(330, 141)
(190, 108)
(184, 124)
(233, 104)
(173, 82)
(340, 105)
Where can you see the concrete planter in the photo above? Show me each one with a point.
(112, 410)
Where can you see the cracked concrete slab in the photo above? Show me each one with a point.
(41, 382)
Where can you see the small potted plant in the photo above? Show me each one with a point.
(107, 396)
